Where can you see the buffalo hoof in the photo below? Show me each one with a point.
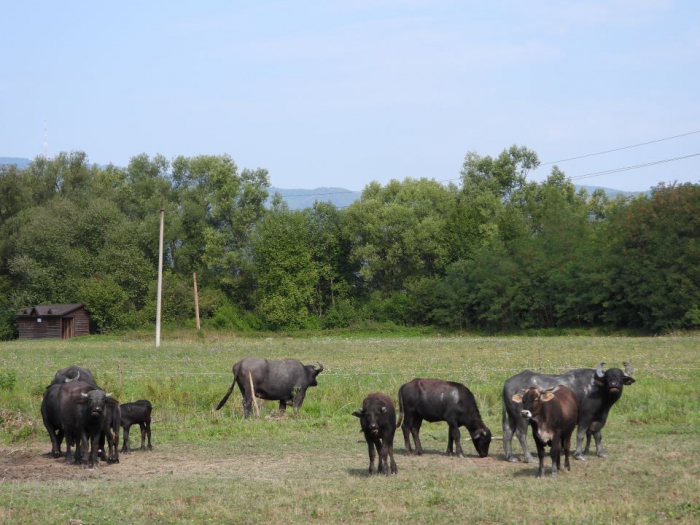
(528, 459)
(512, 459)
(580, 457)
(602, 455)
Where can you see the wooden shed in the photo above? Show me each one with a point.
(57, 321)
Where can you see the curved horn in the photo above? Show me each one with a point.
(629, 369)
(83, 394)
(73, 379)
(320, 367)
(108, 395)
(599, 371)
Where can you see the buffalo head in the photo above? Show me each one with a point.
(532, 400)
(613, 379)
(313, 373)
(95, 401)
(482, 440)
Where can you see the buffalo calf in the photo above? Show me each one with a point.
(435, 400)
(378, 422)
(552, 414)
(138, 412)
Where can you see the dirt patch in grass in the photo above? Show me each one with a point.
(32, 463)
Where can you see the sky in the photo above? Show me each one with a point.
(340, 94)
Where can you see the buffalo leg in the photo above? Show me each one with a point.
(283, 406)
(454, 436)
(555, 454)
(580, 433)
(415, 431)
(588, 442)
(142, 427)
(372, 455)
(394, 468)
(508, 431)
(407, 438)
(247, 403)
(540, 455)
(69, 442)
(383, 449)
(567, 452)
(125, 446)
(299, 399)
(521, 434)
(148, 433)
(599, 444)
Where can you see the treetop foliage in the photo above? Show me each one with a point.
(496, 252)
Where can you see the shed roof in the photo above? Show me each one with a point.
(49, 310)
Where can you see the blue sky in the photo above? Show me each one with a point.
(345, 93)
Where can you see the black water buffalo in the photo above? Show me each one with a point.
(73, 373)
(596, 392)
(110, 432)
(83, 414)
(378, 422)
(138, 412)
(50, 413)
(552, 414)
(285, 381)
(435, 400)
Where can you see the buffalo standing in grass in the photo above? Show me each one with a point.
(596, 390)
(435, 400)
(83, 414)
(50, 412)
(378, 422)
(137, 413)
(285, 380)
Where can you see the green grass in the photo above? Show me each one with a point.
(211, 466)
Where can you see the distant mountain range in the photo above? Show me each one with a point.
(299, 199)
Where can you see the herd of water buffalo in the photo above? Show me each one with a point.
(76, 409)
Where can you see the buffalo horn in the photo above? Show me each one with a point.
(320, 366)
(109, 395)
(629, 369)
(83, 394)
(599, 371)
(73, 379)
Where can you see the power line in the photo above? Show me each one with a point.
(578, 177)
(619, 149)
(627, 168)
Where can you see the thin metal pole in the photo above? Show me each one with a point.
(196, 299)
(160, 273)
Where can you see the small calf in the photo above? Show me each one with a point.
(133, 413)
(378, 422)
(552, 414)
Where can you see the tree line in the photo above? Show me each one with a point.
(495, 252)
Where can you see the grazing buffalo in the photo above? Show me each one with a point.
(83, 411)
(596, 392)
(285, 381)
(138, 412)
(552, 414)
(378, 422)
(435, 400)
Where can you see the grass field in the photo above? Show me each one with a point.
(210, 466)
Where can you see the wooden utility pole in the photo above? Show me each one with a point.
(160, 273)
(196, 299)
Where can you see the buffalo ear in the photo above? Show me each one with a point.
(383, 410)
(357, 413)
(628, 380)
(547, 396)
(517, 398)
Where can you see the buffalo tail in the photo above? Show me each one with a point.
(398, 423)
(223, 401)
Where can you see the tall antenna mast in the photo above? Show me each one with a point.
(46, 143)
